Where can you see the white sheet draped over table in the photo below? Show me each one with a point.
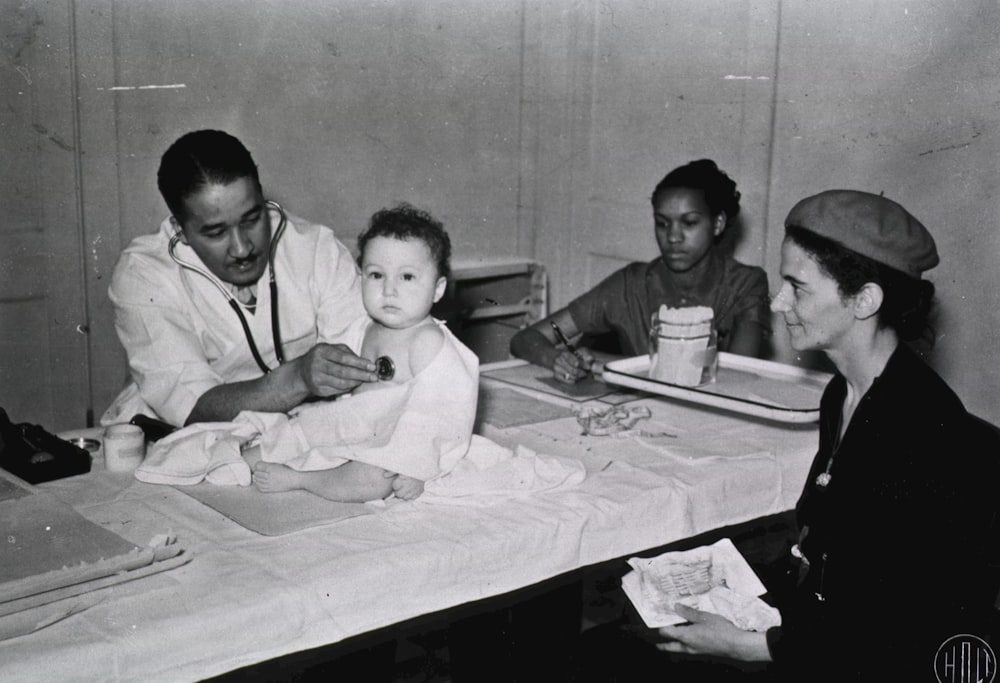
(245, 598)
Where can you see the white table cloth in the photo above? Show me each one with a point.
(246, 598)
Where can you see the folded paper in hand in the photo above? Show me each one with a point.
(714, 578)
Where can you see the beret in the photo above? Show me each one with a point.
(869, 224)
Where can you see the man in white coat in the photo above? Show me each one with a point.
(205, 335)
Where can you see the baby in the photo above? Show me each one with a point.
(422, 422)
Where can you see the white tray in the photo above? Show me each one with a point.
(750, 386)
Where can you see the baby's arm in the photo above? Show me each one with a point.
(425, 346)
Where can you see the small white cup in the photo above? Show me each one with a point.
(124, 447)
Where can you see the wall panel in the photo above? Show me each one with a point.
(532, 128)
(901, 97)
(346, 106)
(44, 371)
(662, 84)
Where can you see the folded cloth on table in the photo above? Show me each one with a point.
(206, 451)
(490, 472)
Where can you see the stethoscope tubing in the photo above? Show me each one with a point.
(233, 303)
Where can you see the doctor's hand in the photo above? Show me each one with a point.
(711, 634)
(330, 369)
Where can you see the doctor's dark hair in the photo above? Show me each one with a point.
(718, 189)
(906, 300)
(405, 222)
(198, 159)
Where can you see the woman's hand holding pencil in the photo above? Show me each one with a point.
(573, 364)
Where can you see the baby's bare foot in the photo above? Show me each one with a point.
(271, 477)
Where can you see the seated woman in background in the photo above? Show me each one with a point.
(896, 519)
(692, 206)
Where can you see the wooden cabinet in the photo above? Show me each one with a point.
(489, 299)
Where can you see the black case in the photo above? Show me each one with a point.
(35, 455)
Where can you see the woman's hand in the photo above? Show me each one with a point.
(571, 368)
(710, 634)
(542, 345)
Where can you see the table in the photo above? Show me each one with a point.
(246, 598)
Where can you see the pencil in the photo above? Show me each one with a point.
(569, 347)
(562, 339)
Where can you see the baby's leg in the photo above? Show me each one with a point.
(271, 477)
(407, 488)
(352, 482)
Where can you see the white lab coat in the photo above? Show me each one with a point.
(182, 338)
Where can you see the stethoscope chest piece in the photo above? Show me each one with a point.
(385, 368)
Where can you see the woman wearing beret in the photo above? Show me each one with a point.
(692, 207)
(894, 548)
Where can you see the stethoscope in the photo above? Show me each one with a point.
(275, 327)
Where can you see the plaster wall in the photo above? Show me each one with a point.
(533, 128)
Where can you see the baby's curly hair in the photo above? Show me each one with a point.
(404, 222)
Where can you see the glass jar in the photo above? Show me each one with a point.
(683, 353)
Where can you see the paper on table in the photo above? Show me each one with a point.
(540, 379)
(713, 578)
(504, 408)
(10, 490)
(45, 537)
(51, 552)
(273, 514)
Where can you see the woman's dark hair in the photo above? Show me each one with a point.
(198, 159)
(906, 301)
(405, 222)
(718, 189)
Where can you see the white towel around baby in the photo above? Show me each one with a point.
(486, 475)
(421, 428)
